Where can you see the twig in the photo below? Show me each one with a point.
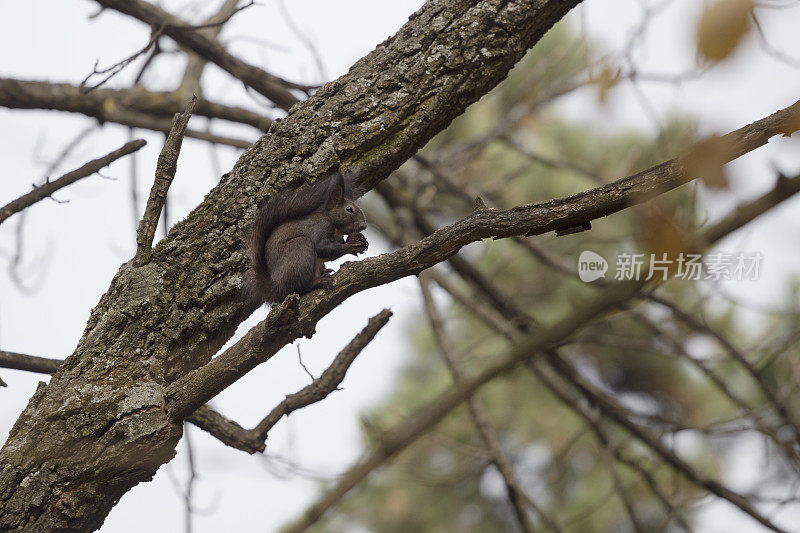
(516, 496)
(187, 493)
(118, 67)
(329, 380)
(273, 87)
(165, 173)
(48, 188)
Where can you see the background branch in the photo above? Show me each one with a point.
(45, 190)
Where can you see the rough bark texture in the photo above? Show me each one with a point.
(100, 426)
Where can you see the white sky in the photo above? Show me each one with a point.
(74, 249)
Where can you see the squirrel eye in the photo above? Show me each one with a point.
(349, 209)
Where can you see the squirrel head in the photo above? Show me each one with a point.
(342, 210)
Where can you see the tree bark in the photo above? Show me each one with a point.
(100, 426)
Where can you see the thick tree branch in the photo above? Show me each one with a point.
(45, 190)
(110, 105)
(273, 87)
(165, 173)
(227, 431)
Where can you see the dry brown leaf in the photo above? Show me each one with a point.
(722, 26)
(606, 81)
(664, 236)
(707, 159)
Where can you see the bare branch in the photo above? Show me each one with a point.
(321, 387)
(29, 363)
(164, 125)
(252, 441)
(190, 83)
(165, 173)
(614, 410)
(406, 433)
(108, 105)
(516, 496)
(48, 188)
(273, 87)
(226, 430)
(117, 67)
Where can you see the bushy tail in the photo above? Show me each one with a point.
(256, 289)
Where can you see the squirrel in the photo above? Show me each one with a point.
(296, 232)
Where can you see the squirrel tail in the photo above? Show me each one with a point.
(257, 285)
(257, 289)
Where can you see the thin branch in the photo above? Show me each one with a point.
(29, 363)
(516, 496)
(190, 83)
(165, 173)
(561, 391)
(406, 433)
(273, 87)
(189, 490)
(164, 125)
(119, 66)
(43, 191)
(321, 387)
(622, 416)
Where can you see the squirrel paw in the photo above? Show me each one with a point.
(357, 243)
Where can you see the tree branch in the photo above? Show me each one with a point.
(297, 317)
(516, 496)
(321, 387)
(190, 83)
(29, 363)
(47, 189)
(165, 173)
(108, 105)
(273, 87)
(227, 431)
(404, 434)
(252, 441)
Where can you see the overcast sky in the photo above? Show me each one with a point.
(73, 249)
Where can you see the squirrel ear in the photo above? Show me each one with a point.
(337, 192)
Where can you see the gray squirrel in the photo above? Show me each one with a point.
(296, 232)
